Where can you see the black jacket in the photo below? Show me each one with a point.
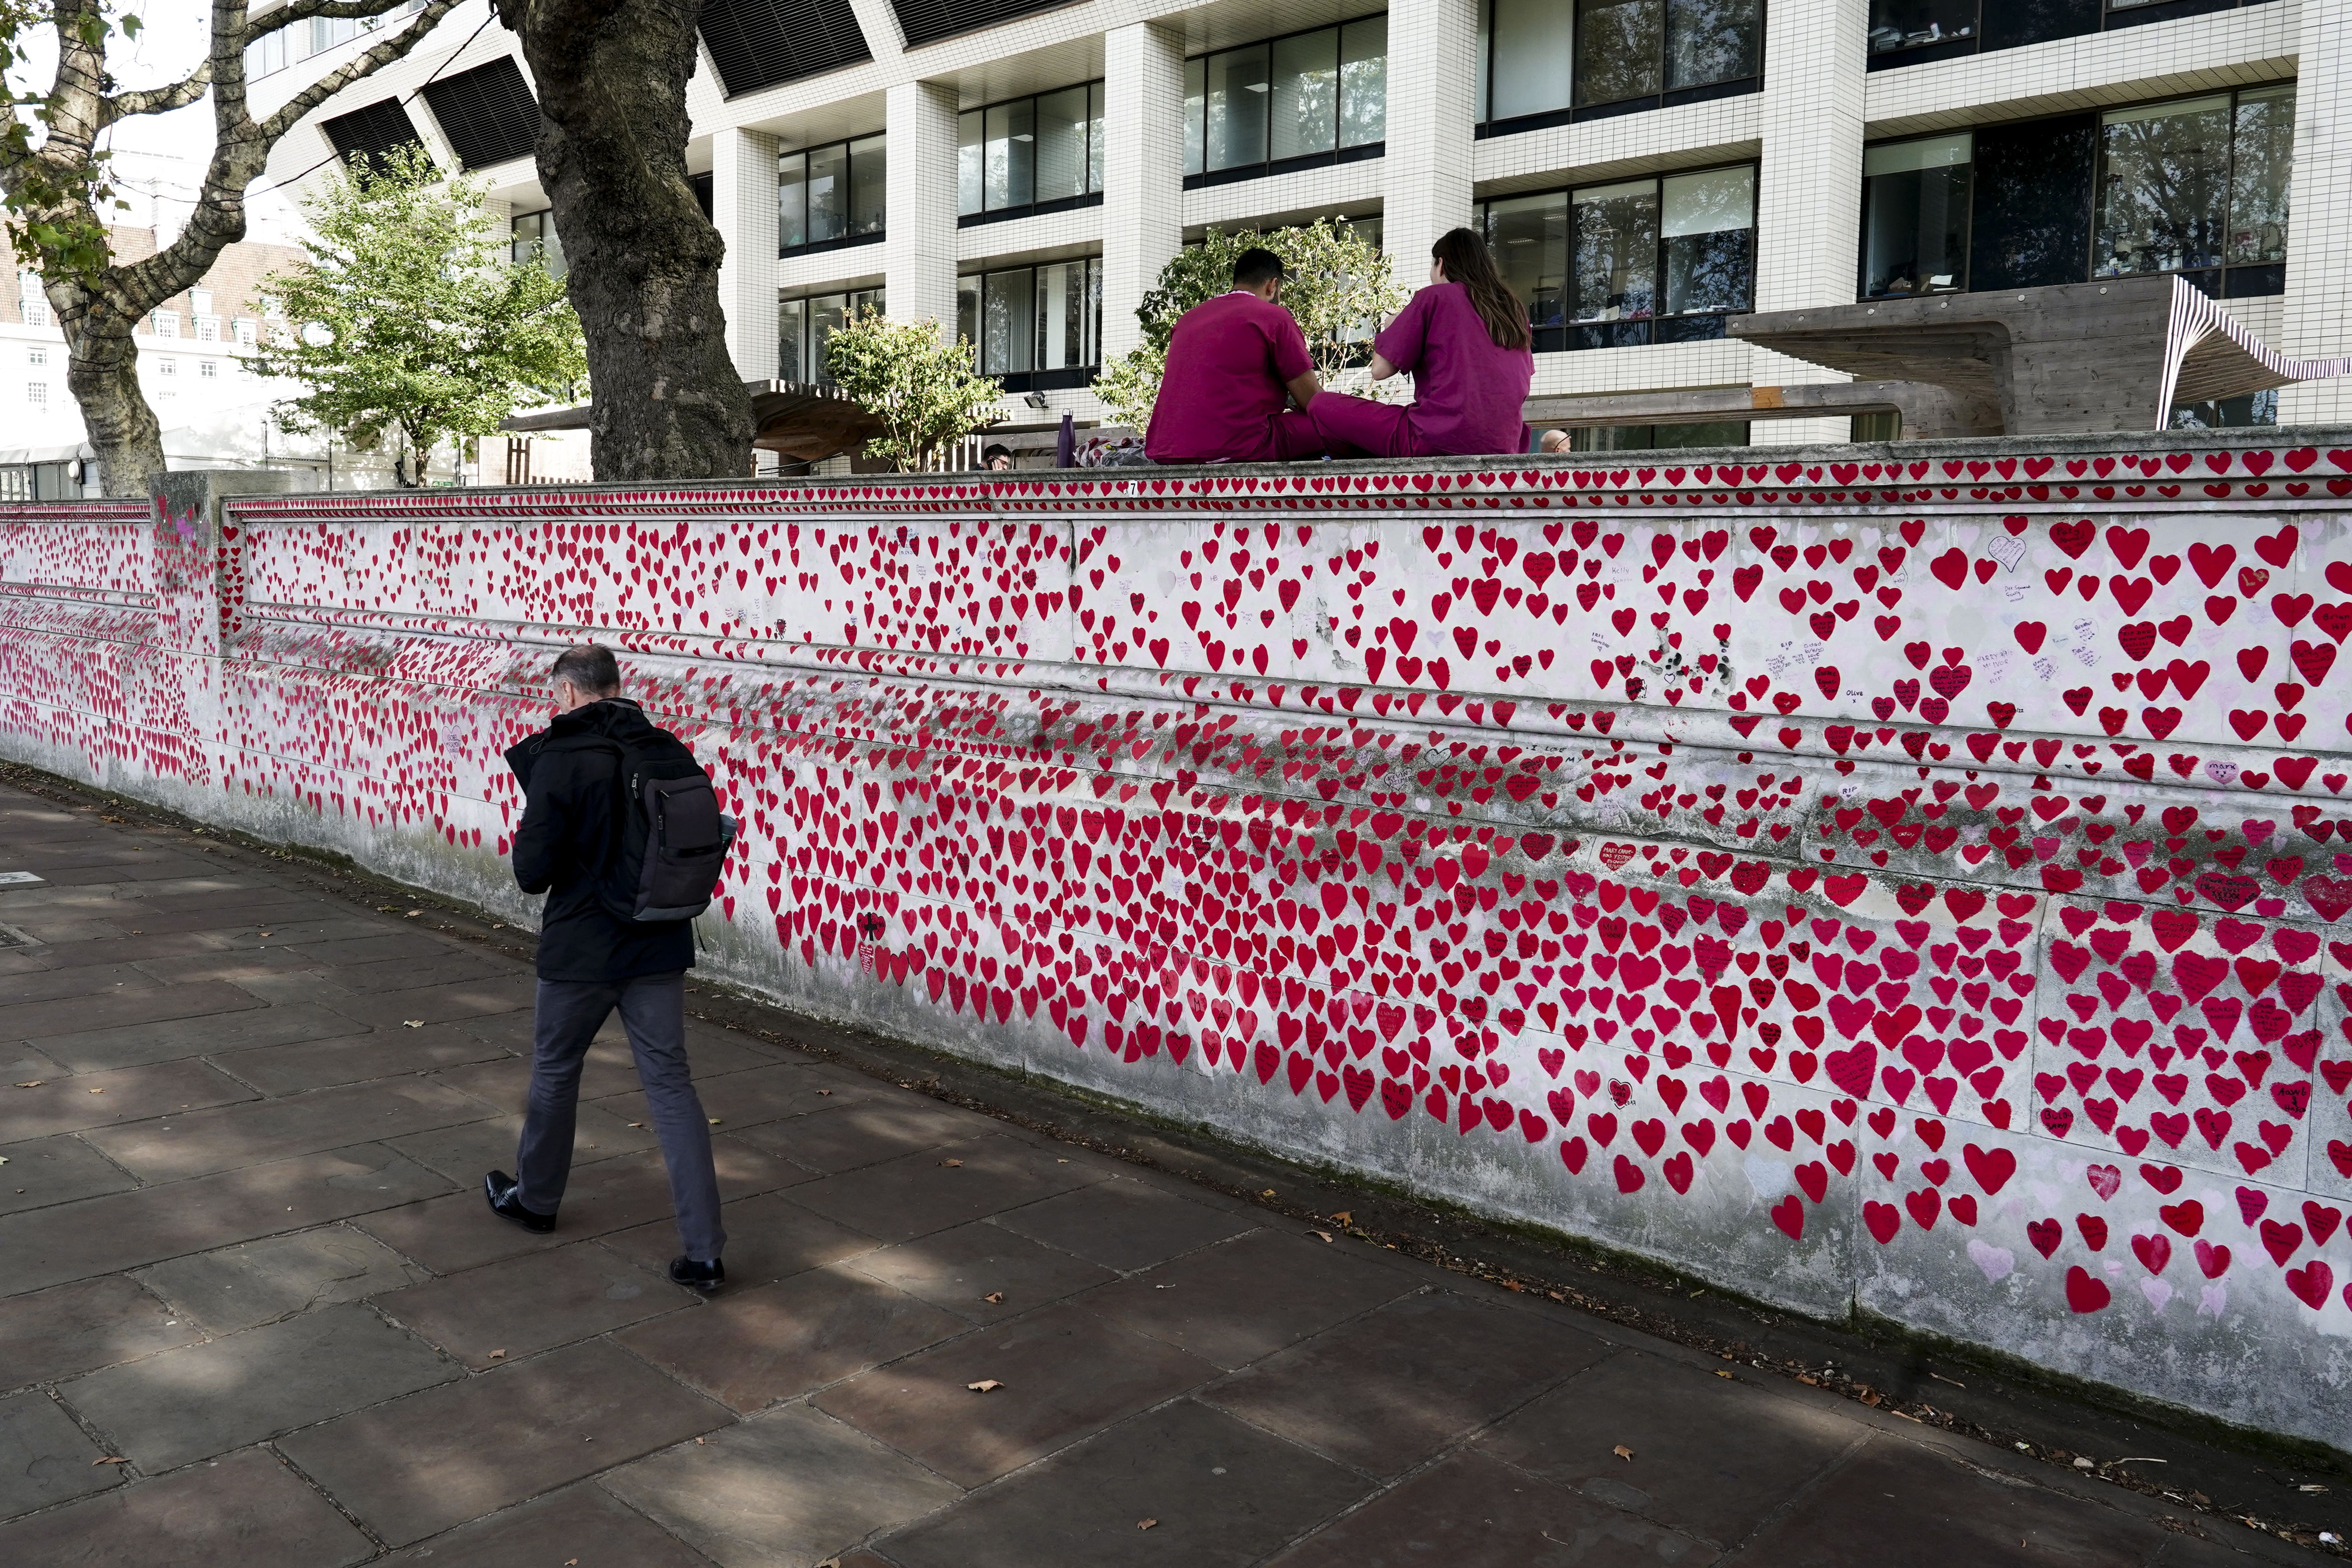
(568, 839)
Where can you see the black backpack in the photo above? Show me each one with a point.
(673, 838)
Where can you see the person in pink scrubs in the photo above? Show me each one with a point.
(1465, 342)
(1234, 364)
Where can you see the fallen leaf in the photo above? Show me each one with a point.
(1343, 1217)
(1268, 1194)
(1145, 1523)
(1325, 1235)
(1623, 1453)
(32, 1083)
(636, 1124)
(715, 1121)
(824, 1092)
(98, 1091)
(496, 1355)
(985, 1386)
(952, 1163)
(411, 1023)
(1722, 1375)
(110, 1460)
(994, 1298)
(412, 914)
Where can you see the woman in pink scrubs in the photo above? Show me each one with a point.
(1465, 342)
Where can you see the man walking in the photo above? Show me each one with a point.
(570, 846)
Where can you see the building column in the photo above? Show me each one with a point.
(1432, 103)
(918, 245)
(744, 210)
(1809, 190)
(1143, 173)
(2317, 321)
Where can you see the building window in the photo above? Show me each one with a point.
(37, 393)
(533, 240)
(1030, 155)
(1915, 217)
(166, 323)
(1037, 327)
(1547, 62)
(247, 333)
(208, 370)
(1294, 103)
(805, 326)
(1656, 437)
(1640, 261)
(37, 358)
(1914, 32)
(2196, 186)
(834, 195)
(167, 368)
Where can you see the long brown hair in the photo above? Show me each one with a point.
(1467, 262)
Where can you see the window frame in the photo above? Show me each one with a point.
(853, 301)
(2112, 16)
(1063, 377)
(847, 146)
(2231, 281)
(1094, 87)
(1573, 112)
(1271, 165)
(1571, 336)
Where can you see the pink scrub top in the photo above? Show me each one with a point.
(1227, 365)
(1469, 396)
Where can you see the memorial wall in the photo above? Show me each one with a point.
(1904, 880)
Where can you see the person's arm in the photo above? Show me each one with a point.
(1303, 388)
(1381, 368)
(1292, 366)
(539, 838)
(1400, 344)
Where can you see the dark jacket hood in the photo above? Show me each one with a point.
(612, 718)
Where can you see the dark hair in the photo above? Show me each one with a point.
(1252, 267)
(1467, 262)
(591, 667)
(994, 450)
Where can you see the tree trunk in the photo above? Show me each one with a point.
(611, 78)
(102, 374)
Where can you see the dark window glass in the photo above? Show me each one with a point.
(1616, 272)
(2012, 23)
(1364, 82)
(1032, 324)
(2264, 150)
(805, 328)
(1915, 217)
(1656, 437)
(791, 201)
(971, 162)
(1897, 24)
(1637, 262)
(1011, 180)
(870, 185)
(2228, 413)
(1011, 156)
(2032, 204)
(1237, 91)
(1708, 224)
(829, 194)
(1062, 145)
(1709, 41)
(2164, 187)
(1310, 95)
(1529, 236)
(1620, 50)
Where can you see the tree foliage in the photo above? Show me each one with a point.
(924, 390)
(1337, 284)
(410, 316)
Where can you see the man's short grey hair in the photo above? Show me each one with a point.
(590, 666)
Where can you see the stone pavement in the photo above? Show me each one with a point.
(253, 1314)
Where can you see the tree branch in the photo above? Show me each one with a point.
(295, 11)
(157, 99)
(365, 64)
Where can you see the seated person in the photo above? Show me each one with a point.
(1464, 340)
(1233, 364)
(996, 456)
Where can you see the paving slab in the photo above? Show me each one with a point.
(57, 1170)
(949, 1186)
(1920, 1506)
(1124, 1224)
(504, 992)
(44, 1458)
(1387, 1391)
(247, 1511)
(403, 975)
(1471, 1511)
(132, 949)
(769, 1237)
(832, 1140)
(258, 1282)
(67, 1330)
(49, 984)
(788, 1489)
(1223, 1495)
(1063, 1374)
(82, 1101)
(1713, 1457)
(126, 1230)
(1250, 1296)
(582, 1524)
(133, 1045)
(200, 1143)
(204, 1399)
(510, 1310)
(322, 1062)
(122, 1005)
(752, 1347)
(422, 1463)
(467, 1151)
(961, 1269)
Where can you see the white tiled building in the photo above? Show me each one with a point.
(1022, 169)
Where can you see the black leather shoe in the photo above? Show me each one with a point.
(499, 1188)
(703, 1276)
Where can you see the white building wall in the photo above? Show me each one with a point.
(1432, 97)
(1143, 171)
(2317, 318)
(918, 247)
(743, 206)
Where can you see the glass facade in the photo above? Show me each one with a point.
(1913, 31)
(2196, 186)
(1656, 438)
(1031, 154)
(535, 240)
(1639, 261)
(832, 195)
(805, 326)
(1549, 61)
(1037, 327)
(1287, 103)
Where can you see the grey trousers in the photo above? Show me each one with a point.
(653, 1010)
